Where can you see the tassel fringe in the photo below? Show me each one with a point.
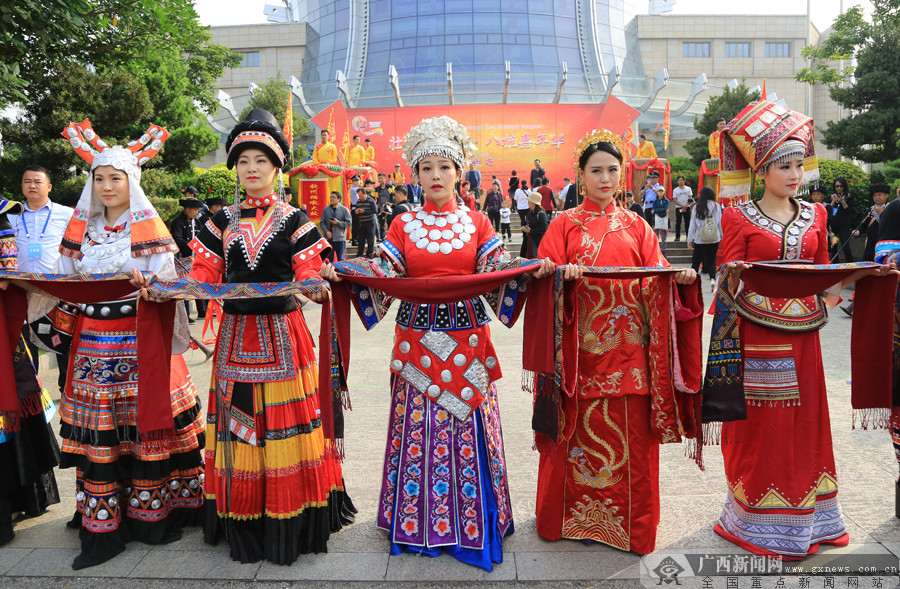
(712, 433)
(877, 418)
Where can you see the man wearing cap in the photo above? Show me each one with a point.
(648, 195)
(355, 185)
(215, 204)
(184, 228)
(631, 205)
(870, 226)
(397, 177)
(325, 152)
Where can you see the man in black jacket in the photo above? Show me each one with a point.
(367, 213)
(184, 228)
(537, 174)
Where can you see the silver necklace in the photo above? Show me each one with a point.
(439, 232)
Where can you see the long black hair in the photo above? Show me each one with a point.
(843, 183)
(706, 195)
(593, 148)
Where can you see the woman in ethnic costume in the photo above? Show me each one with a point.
(28, 448)
(779, 464)
(444, 485)
(274, 486)
(132, 483)
(600, 482)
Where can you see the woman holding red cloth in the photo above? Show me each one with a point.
(444, 486)
(138, 459)
(600, 480)
(274, 486)
(779, 464)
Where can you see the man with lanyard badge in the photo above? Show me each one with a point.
(39, 231)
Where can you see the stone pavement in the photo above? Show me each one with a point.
(43, 550)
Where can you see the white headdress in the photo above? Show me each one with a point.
(440, 136)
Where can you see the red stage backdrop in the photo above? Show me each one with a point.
(508, 136)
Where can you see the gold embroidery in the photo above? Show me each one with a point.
(637, 375)
(596, 520)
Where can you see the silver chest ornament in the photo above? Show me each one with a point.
(438, 232)
(107, 254)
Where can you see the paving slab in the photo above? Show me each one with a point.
(9, 557)
(57, 562)
(334, 566)
(602, 563)
(167, 564)
(415, 567)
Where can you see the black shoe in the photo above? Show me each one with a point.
(848, 310)
(191, 321)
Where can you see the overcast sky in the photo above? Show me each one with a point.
(237, 12)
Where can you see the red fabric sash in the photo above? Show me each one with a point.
(154, 407)
(12, 301)
(444, 289)
(871, 334)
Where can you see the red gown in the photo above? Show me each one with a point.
(601, 482)
(779, 463)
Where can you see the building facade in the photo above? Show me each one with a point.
(381, 53)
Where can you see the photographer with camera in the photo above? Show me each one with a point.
(839, 209)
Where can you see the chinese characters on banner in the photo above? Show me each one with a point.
(314, 194)
(508, 137)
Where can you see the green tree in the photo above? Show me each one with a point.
(116, 104)
(871, 130)
(272, 96)
(724, 106)
(40, 36)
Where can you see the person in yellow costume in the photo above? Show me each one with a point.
(715, 139)
(325, 152)
(370, 151)
(356, 155)
(645, 149)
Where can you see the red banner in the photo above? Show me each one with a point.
(314, 194)
(508, 136)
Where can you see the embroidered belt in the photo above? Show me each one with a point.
(799, 315)
(443, 316)
(111, 309)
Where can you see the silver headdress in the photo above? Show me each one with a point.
(440, 136)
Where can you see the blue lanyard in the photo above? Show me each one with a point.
(46, 222)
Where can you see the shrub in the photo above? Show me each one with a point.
(167, 208)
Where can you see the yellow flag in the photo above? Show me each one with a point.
(288, 130)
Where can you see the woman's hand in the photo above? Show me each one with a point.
(882, 270)
(141, 282)
(688, 276)
(573, 272)
(4, 284)
(545, 269)
(328, 272)
(526, 229)
(321, 295)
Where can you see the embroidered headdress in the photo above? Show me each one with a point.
(601, 136)
(149, 234)
(260, 131)
(441, 136)
(764, 133)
